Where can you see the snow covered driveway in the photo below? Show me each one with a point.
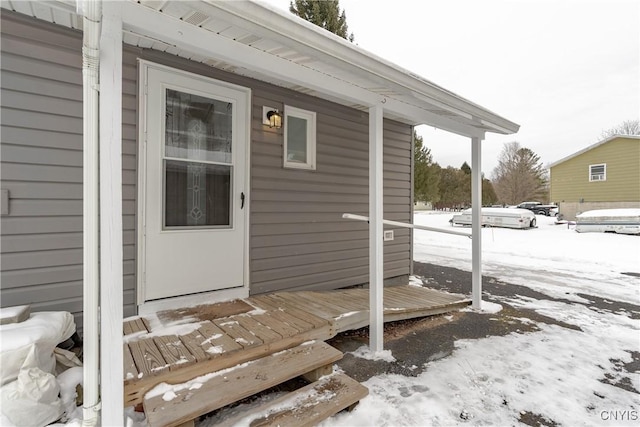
(579, 367)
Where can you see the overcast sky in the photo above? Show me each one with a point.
(564, 70)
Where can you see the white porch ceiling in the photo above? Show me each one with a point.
(257, 41)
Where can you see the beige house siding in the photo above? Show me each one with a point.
(572, 190)
(570, 179)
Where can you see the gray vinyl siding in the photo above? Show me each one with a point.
(41, 156)
(298, 239)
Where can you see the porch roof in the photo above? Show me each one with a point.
(256, 40)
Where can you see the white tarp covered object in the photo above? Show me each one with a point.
(621, 221)
(29, 392)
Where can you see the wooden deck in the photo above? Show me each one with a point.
(178, 345)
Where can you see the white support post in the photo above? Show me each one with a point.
(376, 248)
(476, 223)
(111, 290)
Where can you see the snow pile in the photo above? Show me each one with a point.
(364, 352)
(486, 307)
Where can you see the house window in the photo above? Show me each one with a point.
(299, 138)
(598, 172)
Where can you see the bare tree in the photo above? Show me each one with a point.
(519, 175)
(628, 127)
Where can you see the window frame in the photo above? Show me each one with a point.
(603, 175)
(310, 117)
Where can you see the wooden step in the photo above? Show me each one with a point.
(306, 406)
(215, 390)
(146, 365)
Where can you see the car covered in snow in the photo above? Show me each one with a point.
(499, 217)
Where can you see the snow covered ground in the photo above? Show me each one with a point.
(555, 372)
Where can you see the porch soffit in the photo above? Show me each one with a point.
(288, 52)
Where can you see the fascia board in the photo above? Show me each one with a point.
(302, 33)
(158, 26)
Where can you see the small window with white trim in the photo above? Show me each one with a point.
(598, 172)
(299, 138)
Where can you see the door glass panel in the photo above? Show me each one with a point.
(197, 128)
(197, 194)
(296, 139)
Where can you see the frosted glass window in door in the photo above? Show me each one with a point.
(197, 128)
(197, 194)
(198, 161)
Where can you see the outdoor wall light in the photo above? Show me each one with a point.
(275, 119)
(272, 117)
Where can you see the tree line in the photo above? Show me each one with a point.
(445, 187)
(519, 176)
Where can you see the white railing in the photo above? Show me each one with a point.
(406, 225)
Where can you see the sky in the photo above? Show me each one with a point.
(564, 70)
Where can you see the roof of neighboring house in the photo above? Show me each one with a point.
(591, 147)
(259, 41)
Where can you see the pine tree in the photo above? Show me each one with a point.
(323, 13)
(426, 173)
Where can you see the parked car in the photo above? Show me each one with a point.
(539, 208)
(499, 217)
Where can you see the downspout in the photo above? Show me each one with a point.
(91, 10)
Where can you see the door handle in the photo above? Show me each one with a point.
(242, 200)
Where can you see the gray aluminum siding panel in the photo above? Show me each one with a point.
(41, 154)
(298, 239)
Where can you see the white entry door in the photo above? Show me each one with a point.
(193, 180)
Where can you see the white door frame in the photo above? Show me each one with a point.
(218, 295)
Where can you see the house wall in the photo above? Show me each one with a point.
(570, 179)
(297, 237)
(569, 210)
(41, 155)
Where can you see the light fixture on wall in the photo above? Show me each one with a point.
(272, 117)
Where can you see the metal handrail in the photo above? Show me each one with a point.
(407, 225)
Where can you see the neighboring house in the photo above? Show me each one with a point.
(605, 175)
(198, 192)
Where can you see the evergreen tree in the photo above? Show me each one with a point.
(323, 13)
(466, 168)
(454, 190)
(426, 173)
(489, 196)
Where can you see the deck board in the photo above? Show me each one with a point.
(174, 352)
(286, 319)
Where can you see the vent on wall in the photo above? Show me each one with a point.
(196, 18)
(388, 235)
